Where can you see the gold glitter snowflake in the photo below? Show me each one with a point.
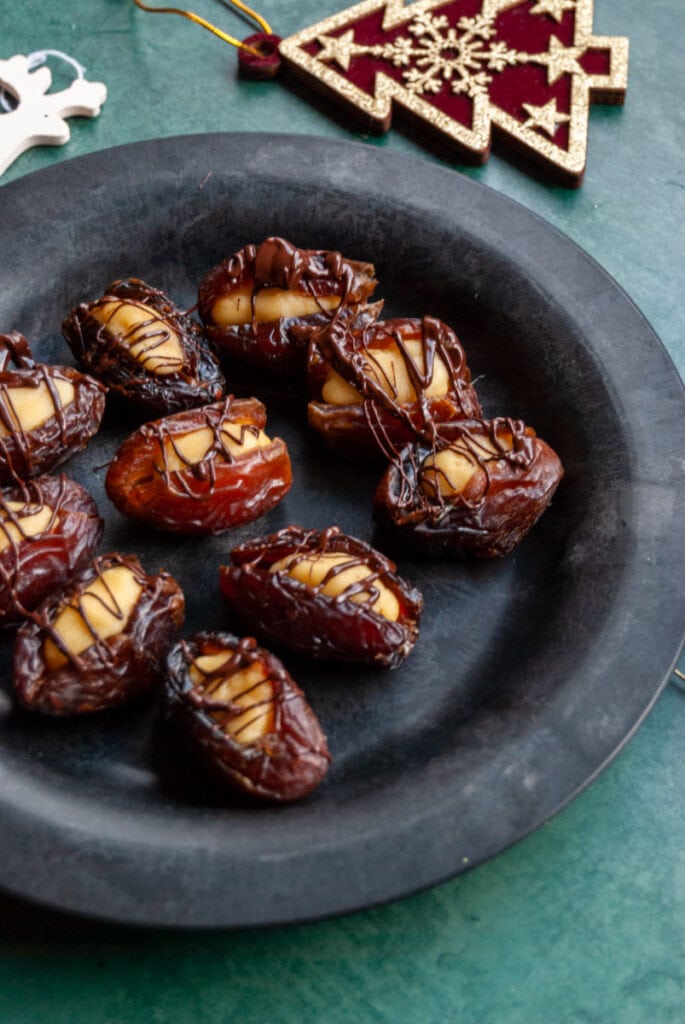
(438, 53)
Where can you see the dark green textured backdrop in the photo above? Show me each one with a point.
(581, 923)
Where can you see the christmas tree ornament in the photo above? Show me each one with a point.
(525, 71)
(32, 116)
(529, 70)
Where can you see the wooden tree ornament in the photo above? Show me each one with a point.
(527, 68)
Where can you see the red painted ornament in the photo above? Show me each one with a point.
(528, 69)
(266, 62)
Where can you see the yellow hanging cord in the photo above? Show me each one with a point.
(263, 24)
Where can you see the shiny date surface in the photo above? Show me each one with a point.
(201, 471)
(261, 305)
(49, 529)
(323, 594)
(478, 491)
(149, 353)
(376, 389)
(47, 413)
(100, 642)
(236, 706)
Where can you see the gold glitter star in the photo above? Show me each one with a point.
(560, 60)
(547, 118)
(555, 8)
(340, 49)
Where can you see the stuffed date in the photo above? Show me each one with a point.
(201, 471)
(47, 413)
(237, 707)
(49, 529)
(261, 305)
(100, 642)
(148, 352)
(478, 491)
(323, 594)
(388, 384)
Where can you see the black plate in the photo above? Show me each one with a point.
(530, 673)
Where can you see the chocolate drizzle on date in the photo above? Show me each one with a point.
(201, 471)
(100, 642)
(279, 264)
(387, 384)
(477, 489)
(49, 529)
(238, 708)
(303, 290)
(149, 352)
(47, 413)
(324, 594)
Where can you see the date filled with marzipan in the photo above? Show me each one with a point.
(387, 385)
(323, 594)
(261, 305)
(49, 529)
(236, 706)
(101, 641)
(201, 471)
(47, 413)
(477, 491)
(148, 352)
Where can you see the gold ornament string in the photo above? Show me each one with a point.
(262, 22)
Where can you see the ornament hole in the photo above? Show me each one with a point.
(267, 48)
(267, 64)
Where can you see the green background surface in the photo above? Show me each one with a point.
(584, 921)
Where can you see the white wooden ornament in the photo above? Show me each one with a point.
(39, 117)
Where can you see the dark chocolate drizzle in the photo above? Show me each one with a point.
(31, 492)
(217, 420)
(314, 542)
(46, 617)
(351, 352)
(277, 263)
(151, 333)
(470, 438)
(242, 656)
(280, 264)
(14, 348)
(33, 497)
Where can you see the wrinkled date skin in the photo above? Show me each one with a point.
(511, 477)
(325, 284)
(49, 529)
(148, 352)
(300, 617)
(404, 377)
(112, 670)
(241, 475)
(47, 413)
(245, 717)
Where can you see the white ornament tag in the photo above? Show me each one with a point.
(38, 119)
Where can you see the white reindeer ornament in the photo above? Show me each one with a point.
(39, 116)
